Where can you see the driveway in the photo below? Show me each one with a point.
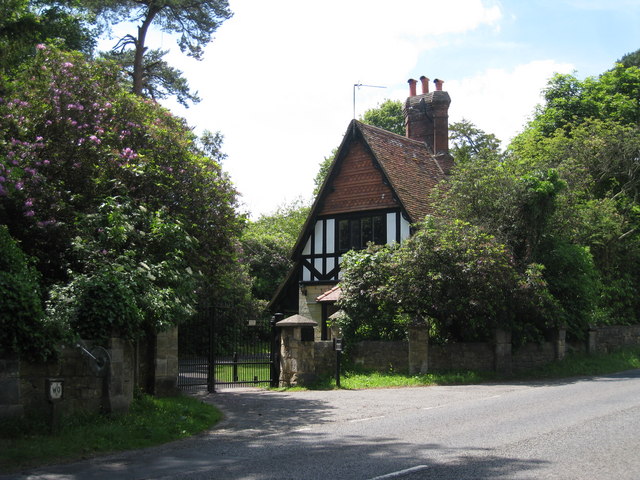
(580, 428)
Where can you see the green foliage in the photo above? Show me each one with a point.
(388, 115)
(23, 24)
(267, 244)
(159, 79)
(565, 196)
(630, 59)
(356, 380)
(471, 143)
(366, 281)
(569, 102)
(150, 421)
(103, 306)
(512, 201)
(449, 274)
(573, 280)
(193, 22)
(23, 329)
(105, 188)
(131, 277)
(573, 365)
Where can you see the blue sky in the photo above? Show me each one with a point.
(278, 78)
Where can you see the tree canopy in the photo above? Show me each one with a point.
(267, 243)
(556, 213)
(449, 274)
(194, 23)
(24, 23)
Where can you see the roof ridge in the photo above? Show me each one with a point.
(388, 132)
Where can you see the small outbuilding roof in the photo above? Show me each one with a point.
(297, 321)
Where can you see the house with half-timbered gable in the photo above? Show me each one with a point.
(377, 186)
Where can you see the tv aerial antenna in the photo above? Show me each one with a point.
(358, 86)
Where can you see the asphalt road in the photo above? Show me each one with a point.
(574, 429)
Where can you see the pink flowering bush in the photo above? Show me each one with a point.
(78, 153)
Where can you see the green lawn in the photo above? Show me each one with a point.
(150, 421)
(573, 365)
(225, 373)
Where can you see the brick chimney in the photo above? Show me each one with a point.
(427, 115)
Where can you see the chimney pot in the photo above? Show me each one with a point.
(425, 84)
(412, 87)
(438, 83)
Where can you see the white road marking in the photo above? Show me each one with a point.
(303, 429)
(365, 419)
(400, 473)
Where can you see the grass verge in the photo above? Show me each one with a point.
(150, 421)
(573, 365)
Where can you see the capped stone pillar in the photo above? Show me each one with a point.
(297, 366)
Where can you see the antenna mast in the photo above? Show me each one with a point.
(358, 85)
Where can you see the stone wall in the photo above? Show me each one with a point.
(491, 356)
(324, 358)
(23, 384)
(297, 363)
(461, 356)
(308, 306)
(10, 400)
(532, 355)
(608, 339)
(82, 388)
(381, 356)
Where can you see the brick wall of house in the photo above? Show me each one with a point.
(358, 186)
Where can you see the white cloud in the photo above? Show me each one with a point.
(499, 101)
(278, 79)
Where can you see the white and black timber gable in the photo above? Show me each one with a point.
(356, 205)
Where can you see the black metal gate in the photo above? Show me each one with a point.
(221, 348)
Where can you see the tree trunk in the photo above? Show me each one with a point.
(138, 65)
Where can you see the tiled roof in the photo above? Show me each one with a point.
(332, 295)
(411, 168)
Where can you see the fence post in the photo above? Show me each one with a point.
(275, 348)
(211, 366)
(235, 366)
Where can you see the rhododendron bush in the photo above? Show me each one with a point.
(102, 186)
